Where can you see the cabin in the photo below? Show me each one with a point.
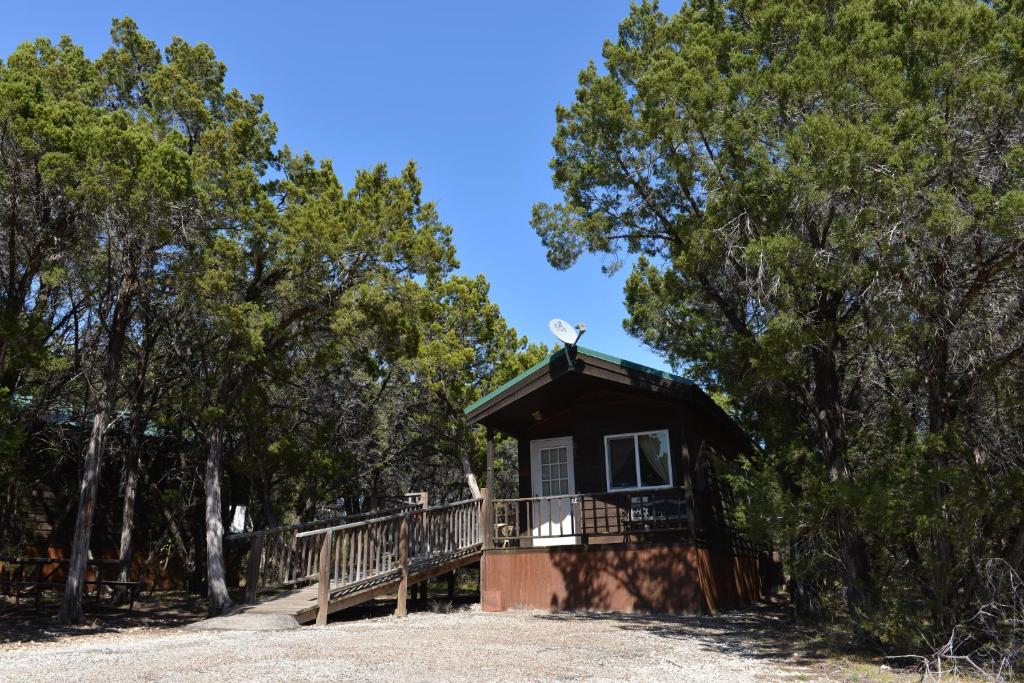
(618, 505)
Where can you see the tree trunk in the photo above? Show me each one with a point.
(184, 549)
(131, 484)
(803, 589)
(832, 429)
(1016, 555)
(217, 590)
(269, 518)
(72, 608)
(139, 418)
(467, 470)
(941, 411)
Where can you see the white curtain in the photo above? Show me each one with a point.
(654, 459)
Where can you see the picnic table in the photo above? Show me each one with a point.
(30, 576)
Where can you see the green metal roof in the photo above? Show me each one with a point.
(510, 383)
(636, 366)
(579, 351)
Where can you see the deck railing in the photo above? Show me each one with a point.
(628, 515)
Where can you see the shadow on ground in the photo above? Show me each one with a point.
(25, 622)
(385, 607)
(763, 632)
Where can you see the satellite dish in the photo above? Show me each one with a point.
(566, 333)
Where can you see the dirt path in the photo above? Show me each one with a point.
(466, 645)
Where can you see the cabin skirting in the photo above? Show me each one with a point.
(677, 579)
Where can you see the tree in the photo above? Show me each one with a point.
(346, 429)
(467, 350)
(45, 94)
(824, 201)
(133, 178)
(97, 176)
(217, 313)
(117, 150)
(319, 260)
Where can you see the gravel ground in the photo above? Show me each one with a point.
(466, 645)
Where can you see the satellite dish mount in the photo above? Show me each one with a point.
(568, 335)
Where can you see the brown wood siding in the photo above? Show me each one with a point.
(702, 503)
(600, 413)
(49, 517)
(525, 485)
(672, 578)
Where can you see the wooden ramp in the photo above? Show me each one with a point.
(303, 603)
(361, 560)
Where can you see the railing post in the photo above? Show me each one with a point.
(486, 535)
(403, 561)
(252, 576)
(324, 592)
(487, 519)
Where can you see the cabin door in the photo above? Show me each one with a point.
(554, 483)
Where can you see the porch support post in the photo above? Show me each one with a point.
(487, 518)
(490, 459)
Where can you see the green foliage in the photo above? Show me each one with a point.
(316, 331)
(823, 202)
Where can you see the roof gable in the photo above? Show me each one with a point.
(554, 382)
(559, 355)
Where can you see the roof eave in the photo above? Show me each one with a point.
(556, 366)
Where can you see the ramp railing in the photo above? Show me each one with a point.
(376, 552)
(288, 556)
(445, 529)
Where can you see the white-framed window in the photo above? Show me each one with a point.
(639, 460)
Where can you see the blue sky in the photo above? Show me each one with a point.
(466, 89)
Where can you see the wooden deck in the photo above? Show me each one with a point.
(311, 573)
